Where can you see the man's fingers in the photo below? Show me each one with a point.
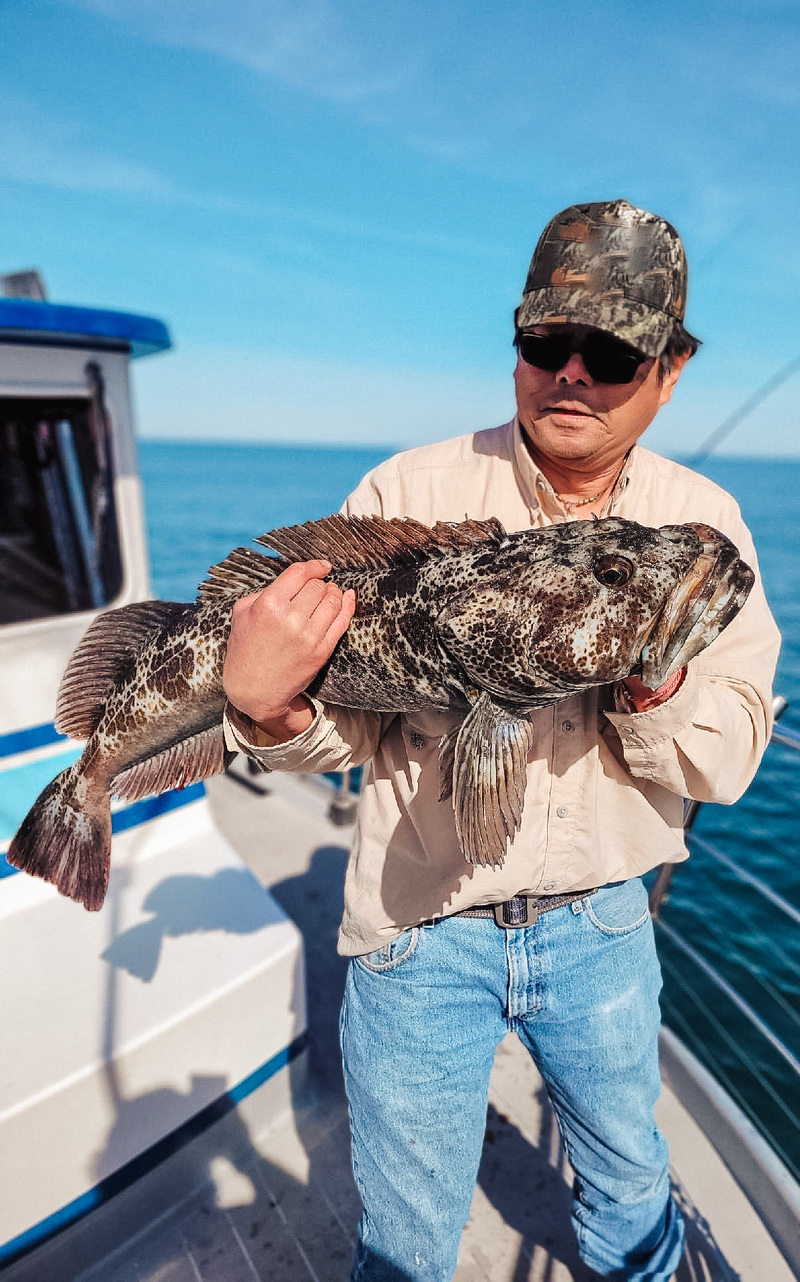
(296, 577)
(341, 620)
(310, 597)
(325, 610)
(294, 594)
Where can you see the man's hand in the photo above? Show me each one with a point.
(280, 638)
(644, 698)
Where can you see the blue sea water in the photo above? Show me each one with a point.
(204, 499)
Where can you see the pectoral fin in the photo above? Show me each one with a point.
(487, 760)
(181, 764)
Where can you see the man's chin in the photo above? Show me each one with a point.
(564, 440)
(569, 421)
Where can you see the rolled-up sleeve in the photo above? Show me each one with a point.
(706, 741)
(336, 739)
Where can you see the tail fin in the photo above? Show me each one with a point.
(67, 842)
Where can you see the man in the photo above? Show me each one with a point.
(440, 970)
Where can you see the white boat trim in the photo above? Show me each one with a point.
(146, 1162)
(771, 1189)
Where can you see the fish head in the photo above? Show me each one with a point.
(699, 607)
(589, 602)
(621, 598)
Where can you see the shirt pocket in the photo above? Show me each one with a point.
(423, 731)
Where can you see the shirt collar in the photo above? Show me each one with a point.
(539, 494)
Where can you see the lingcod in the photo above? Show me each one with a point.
(464, 617)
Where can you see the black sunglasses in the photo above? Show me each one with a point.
(607, 359)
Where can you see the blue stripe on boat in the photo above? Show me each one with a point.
(138, 813)
(150, 807)
(29, 738)
(151, 1158)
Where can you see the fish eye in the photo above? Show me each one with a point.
(613, 571)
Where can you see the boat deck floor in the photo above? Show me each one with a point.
(283, 1206)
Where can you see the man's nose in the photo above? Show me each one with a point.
(574, 371)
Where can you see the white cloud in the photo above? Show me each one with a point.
(50, 153)
(41, 149)
(304, 43)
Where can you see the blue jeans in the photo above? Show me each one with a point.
(421, 1021)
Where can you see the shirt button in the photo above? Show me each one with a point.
(549, 885)
(562, 812)
(566, 726)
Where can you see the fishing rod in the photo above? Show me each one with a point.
(733, 420)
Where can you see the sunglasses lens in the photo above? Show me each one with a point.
(607, 360)
(545, 351)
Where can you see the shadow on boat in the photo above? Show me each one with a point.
(227, 1197)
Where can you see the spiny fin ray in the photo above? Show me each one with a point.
(242, 572)
(349, 543)
(373, 543)
(489, 774)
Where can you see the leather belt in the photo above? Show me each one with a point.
(522, 910)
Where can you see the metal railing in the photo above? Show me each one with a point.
(700, 1002)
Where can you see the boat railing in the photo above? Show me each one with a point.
(735, 1041)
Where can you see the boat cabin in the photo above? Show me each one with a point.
(123, 1029)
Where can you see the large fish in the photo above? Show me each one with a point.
(462, 617)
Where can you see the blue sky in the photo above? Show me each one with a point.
(333, 203)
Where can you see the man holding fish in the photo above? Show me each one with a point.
(533, 693)
(553, 942)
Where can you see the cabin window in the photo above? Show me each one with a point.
(59, 543)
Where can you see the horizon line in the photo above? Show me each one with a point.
(397, 447)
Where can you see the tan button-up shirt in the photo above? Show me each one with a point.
(605, 786)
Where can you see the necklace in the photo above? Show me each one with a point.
(571, 504)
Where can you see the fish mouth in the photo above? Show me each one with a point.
(703, 603)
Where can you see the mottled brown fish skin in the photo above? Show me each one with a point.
(528, 620)
(169, 709)
(459, 617)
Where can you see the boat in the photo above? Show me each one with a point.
(172, 1105)
(121, 1029)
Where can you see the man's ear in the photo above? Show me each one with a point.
(670, 379)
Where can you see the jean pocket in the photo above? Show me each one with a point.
(620, 908)
(393, 954)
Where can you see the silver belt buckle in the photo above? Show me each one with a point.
(522, 910)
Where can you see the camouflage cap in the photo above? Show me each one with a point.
(610, 265)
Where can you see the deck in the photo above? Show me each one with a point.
(280, 1204)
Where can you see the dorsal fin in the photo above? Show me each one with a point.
(102, 660)
(242, 572)
(372, 543)
(348, 542)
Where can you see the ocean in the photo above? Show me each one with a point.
(203, 499)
